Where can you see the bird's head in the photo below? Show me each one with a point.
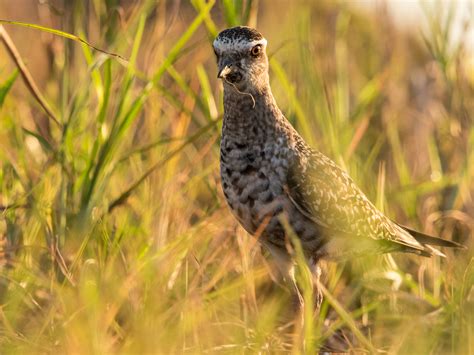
(241, 59)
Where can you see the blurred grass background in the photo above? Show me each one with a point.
(114, 235)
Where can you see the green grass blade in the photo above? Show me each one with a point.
(7, 85)
(124, 196)
(67, 35)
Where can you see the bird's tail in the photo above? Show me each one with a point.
(428, 240)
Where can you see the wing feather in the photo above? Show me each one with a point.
(325, 193)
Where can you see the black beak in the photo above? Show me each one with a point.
(229, 72)
(225, 67)
(223, 72)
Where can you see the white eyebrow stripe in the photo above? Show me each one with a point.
(224, 44)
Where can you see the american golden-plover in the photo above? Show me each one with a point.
(268, 172)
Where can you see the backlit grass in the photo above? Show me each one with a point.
(114, 234)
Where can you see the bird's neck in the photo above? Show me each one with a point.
(246, 113)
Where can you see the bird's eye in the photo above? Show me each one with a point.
(256, 50)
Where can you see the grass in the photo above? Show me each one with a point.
(114, 233)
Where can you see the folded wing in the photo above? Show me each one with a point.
(327, 194)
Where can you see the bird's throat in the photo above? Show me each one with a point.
(245, 110)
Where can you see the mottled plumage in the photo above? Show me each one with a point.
(269, 172)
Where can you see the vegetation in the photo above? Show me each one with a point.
(115, 237)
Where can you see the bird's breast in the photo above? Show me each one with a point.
(253, 179)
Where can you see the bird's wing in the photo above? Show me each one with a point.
(327, 194)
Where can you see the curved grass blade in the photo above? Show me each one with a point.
(28, 79)
(67, 35)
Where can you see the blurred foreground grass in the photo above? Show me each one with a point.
(114, 234)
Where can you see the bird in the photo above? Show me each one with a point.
(276, 184)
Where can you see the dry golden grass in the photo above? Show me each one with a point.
(115, 237)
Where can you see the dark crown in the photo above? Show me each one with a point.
(240, 33)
